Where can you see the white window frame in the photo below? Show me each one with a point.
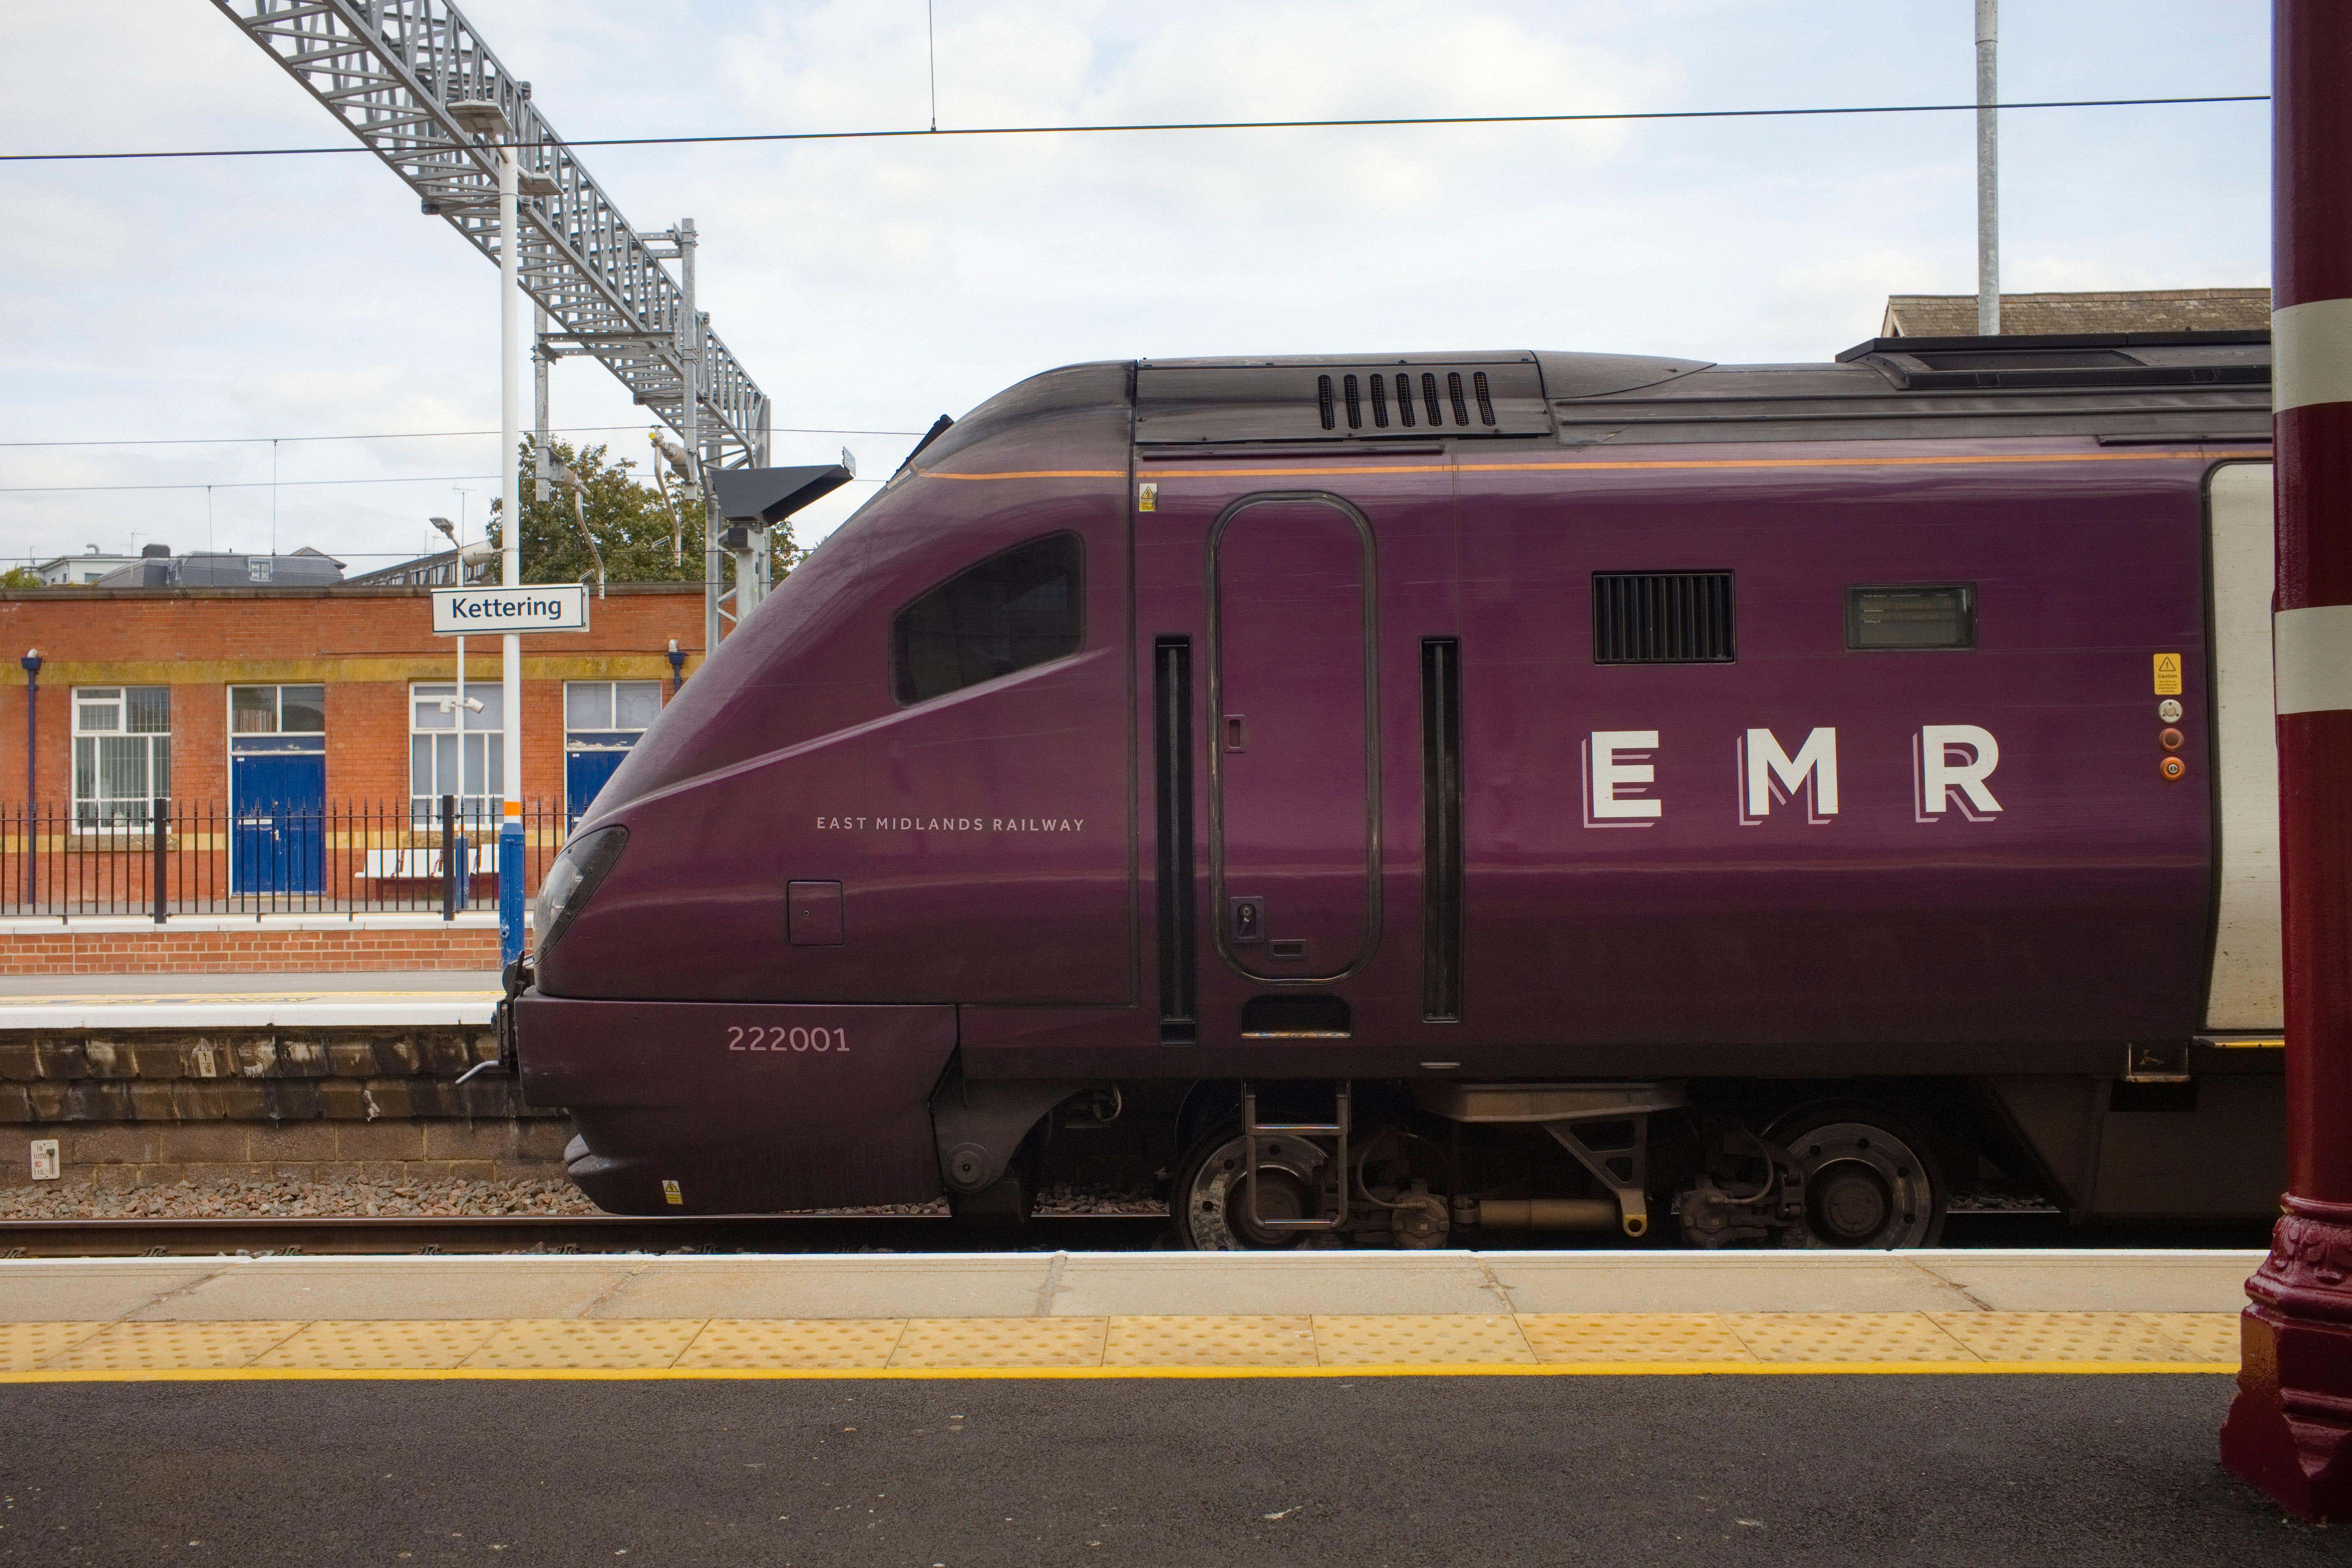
(277, 709)
(157, 748)
(612, 726)
(476, 811)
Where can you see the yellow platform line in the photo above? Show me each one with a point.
(1102, 1373)
(1531, 1344)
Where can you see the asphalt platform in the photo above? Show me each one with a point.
(1366, 1408)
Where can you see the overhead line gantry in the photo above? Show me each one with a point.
(392, 71)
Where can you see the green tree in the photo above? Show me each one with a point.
(21, 577)
(629, 518)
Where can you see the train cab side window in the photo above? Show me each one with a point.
(1914, 616)
(1021, 606)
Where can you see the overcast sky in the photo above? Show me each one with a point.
(874, 285)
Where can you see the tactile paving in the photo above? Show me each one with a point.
(2211, 1336)
(1421, 1340)
(1845, 1337)
(587, 1343)
(2059, 1336)
(1831, 1341)
(1210, 1342)
(1568, 1338)
(1000, 1342)
(370, 1345)
(23, 1346)
(748, 1343)
(171, 1347)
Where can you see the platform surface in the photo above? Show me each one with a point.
(1123, 1314)
(356, 999)
(1669, 1410)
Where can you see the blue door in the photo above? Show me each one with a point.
(278, 790)
(586, 769)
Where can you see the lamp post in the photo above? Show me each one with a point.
(677, 666)
(1987, 169)
(488, 121)
(32, 663)
(2290, 1427)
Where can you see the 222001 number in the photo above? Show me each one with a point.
(780, 1038)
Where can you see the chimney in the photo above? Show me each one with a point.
(155, 553)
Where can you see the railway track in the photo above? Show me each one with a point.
(563, 1234)
(559, 1234)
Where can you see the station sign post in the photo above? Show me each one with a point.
(513, 611)
(2290, 1427)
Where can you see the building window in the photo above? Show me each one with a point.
(470, 765)
(277, 710)
(597, 712)
(122, 754)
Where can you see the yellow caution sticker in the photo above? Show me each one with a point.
(671, 1193)
(2168, 675)
(1146, 498)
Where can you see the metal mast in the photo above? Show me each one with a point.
(390, 70)
(1987, 168)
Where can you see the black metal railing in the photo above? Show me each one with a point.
(166, 858)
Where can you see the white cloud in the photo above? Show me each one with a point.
(880, 283)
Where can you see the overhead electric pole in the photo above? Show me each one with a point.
(1987, 168)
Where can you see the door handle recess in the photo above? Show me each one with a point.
(1235, 739)
(1245, 919)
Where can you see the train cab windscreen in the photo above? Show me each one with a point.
(1021, 606)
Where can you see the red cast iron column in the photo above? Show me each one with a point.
(2290, 1428)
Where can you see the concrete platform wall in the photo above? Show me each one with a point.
(134, 1108)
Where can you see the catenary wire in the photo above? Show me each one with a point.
(275, 484)
(918, 132)
(424, 435)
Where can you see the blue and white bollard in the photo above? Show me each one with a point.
(509, 890)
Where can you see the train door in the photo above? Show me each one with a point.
(1292, 694)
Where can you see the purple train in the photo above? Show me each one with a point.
(1391, 800)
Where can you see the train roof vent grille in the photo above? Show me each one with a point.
(1182, 402)
(1662, 617)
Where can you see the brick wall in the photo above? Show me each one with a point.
(170, 950)
(366, 645)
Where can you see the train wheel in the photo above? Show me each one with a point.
(1211, 1198)
(1870, 1180)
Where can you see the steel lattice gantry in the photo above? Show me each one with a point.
(390, 70)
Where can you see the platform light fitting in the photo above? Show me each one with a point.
(481, 119)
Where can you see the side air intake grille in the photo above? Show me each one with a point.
(1662, 617)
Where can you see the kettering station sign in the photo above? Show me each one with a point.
(545, 608)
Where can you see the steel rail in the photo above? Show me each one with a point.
(413, 1234)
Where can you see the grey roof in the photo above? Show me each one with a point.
(439, 570)
(2127, 310)
(223, 569)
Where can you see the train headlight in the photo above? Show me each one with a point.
(585, 861)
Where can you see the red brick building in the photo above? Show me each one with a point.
(332, 703)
